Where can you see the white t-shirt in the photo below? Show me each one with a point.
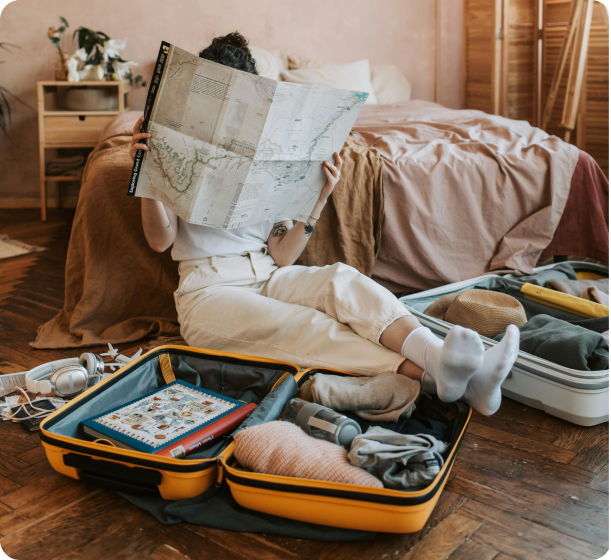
(194, 241)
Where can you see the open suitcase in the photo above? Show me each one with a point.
(266, 382)
(581, 397)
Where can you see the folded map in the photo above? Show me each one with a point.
(231, 149)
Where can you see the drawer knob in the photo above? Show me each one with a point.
(81, 117)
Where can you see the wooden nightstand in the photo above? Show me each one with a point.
(59, 128)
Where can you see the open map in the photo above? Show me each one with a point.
(230, 149)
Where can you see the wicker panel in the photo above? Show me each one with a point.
(478, 54)
(520, 75)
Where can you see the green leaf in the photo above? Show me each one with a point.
(3, 90)
(2, 119)
(8, 107)
(64, 21)
(143, 84)
(137, 79)
(9, 46)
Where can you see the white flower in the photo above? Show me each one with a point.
(81, 54)
(73, 74)
(112, 48)
(122, 69)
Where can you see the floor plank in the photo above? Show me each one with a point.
(523, 538)
(445, 539)
(561, 514)
(529, 471)
(471, 550)
(601, 481)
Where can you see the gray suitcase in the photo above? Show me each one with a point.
(581, 397)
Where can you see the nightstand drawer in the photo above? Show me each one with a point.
(76, 130)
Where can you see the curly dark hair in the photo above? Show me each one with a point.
(231, 50)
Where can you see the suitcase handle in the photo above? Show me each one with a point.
(114, 476)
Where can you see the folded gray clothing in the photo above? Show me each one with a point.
(563, 271)
(577, 287)
(383, 398)
(399, 460)
(564, 344)
(596, 324)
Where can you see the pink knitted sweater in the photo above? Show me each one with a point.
(285, 449)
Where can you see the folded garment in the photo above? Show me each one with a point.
(562, 271)
(576, 287)
(66, 166)
(284, 449)
(597, 324)
(384, 398)
(399, 461)
(428, 418)
(592, 293)
(564, 344)
(412, 425)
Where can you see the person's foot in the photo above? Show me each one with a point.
(483, 390)
(450, 363)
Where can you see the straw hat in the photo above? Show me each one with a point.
(486, 312)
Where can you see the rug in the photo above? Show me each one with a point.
(12, 248)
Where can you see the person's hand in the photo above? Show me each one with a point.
(332, 172)
(135, 145)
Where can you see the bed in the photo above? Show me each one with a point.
(429, 196)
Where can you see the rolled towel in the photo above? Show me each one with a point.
(382, 398)
(284, 449)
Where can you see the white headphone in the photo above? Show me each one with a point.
(66, 378)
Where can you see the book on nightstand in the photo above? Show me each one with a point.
(172, 421)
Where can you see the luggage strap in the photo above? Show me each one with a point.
(166, 368)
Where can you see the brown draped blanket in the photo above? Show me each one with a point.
(119, 290)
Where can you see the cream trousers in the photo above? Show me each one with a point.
(330, 316)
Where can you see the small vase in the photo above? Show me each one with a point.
(61, 70)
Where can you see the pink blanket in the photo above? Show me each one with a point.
(466, 192)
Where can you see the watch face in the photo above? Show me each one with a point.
(69, 380)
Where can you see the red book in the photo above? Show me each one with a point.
(194, 441)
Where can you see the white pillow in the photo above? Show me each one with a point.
(353, 76)
(267, 63)
(389, 84)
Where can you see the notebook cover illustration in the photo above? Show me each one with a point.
(166, 416)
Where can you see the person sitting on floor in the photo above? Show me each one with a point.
(239, 291)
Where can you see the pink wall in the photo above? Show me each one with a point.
(411, 34)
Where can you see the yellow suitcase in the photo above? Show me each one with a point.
(333, 504)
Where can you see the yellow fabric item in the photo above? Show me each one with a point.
(588, 276)
(166, 368)
(566, 302)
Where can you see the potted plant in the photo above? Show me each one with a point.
(97, 58)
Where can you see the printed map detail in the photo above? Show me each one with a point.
(231, 149)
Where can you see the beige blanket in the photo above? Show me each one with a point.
(117, 288)
(466, 192)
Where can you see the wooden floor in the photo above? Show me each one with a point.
(525, 484)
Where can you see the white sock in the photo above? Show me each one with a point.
(450, 363)
(483, 391)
